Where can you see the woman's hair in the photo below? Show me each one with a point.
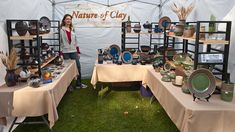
(63, 23)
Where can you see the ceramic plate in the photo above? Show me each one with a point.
(164, 22)
(114, 50)
(46, 23)
(201, 83)
(127, 57)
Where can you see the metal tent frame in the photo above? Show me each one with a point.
(160, 5)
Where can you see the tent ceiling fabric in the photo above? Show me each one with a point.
(111, 2)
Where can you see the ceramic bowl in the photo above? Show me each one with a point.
(163, 72)
(145, 48)
(166, 78)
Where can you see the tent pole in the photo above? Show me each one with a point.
(160, 7)
(108, 3)
(53, 10)
(160, 10)
(52, 1)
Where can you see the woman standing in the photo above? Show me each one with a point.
(69, 45)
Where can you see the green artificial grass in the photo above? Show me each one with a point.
(82, 110)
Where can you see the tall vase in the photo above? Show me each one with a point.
(179, 29)
(128, 25)
(10, 78)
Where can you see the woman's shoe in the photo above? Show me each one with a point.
(82, 86)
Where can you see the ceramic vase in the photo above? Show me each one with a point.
(179, 28)
(10, 78)
(128, 27)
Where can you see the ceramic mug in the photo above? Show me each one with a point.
(179, 80)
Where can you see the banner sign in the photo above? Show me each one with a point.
(94, 15)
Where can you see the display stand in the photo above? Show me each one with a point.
(220, 68)
(31, 44)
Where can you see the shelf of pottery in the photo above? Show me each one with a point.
(207, 46)
(37, 42)
(133, 31)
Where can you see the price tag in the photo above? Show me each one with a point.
(211, 58)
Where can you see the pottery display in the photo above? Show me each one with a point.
(157, 29)
(166, 78)
(33, 28)
(137, 28)
(128, 25)
(46, 24)
(227, 89)
(100, 58)
(58, 60)
(10, 78)
(34, 81)
(202, 36)
(24, 54)
(145, 48)
(148, 26)
(21, 27)
(44, 46)
(164, 22)
(25, 73)
(189, 31)
(179, 30)
(34, 63)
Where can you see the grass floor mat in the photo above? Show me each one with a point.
(120, 111)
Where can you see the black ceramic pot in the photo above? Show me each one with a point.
(21, 27)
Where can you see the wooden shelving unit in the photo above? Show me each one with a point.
(208, 41)
(220, 68)
(32, 44)
(132, 39)
(30, 37)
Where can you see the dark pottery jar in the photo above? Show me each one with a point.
(100, 58)
(10, 78)
(137, 28)
(21, 27)
(45, 46)
(147, 25)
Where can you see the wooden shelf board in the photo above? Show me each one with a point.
(144, 33)
(202, 41)
(28, 37)
(34, 70)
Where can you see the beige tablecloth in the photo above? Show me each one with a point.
(188, 115)
(118, 73)
(22, 100)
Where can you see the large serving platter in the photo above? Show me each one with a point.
(46, 23)
(164, 22)
(114, 50)
(201, 83)
(127, 57)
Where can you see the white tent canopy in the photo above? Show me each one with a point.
(92, 38)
